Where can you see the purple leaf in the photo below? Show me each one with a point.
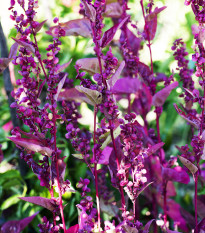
(60, 85)
(32, 145)
(192, 168)
(126, 86)
(113, 10)
(74, 94)
(200, 226)
(152, 149)
(116, 75)
(4, 62)
(147, 226)
(90, 11)
(17, 226)
(189, 118)
(176, 174)
(143, 70)
(13, 50)
(133, 42)
(170, 231)
(77, 27)
(160, 97)
(151, 23)
(73, 229)
(90, 65)
(41, 201)
(104, 159)
(25, 45)
(110, 33)
(60, 68)
(61, 171)
(40, 25)
(94, 96)
(201, 206)
(143, 101)
(173, 210)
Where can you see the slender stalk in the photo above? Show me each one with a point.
(165, 202)
(195, 200)
(57, 168)
(54, 217)
(95, 168)
(118, 165)
(148, 37)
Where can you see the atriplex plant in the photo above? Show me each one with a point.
(120, 151)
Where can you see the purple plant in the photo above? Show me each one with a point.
(121, 150)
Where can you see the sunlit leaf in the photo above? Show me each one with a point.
(90, 11)
(94, 96)
(110, 33)
(41, 201)
(160, 97)
(192, 168)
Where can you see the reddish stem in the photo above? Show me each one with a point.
(57, 168)
(54, 217)
(95, 168)
(165, 202)
(195, 200)
(148, 36)
(118, 165)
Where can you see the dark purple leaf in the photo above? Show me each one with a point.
(90, 65)
(32, 145)
(176, 174)
(147, 226)
(74, 94)
(104, 159)
(126, 86)
(77, 27)
(17, 226)
(133, 42)
(25, 45)
(189, 118)
(143, 101)
(113, 10)
(152, 149)
(60, 68)
(110, 33)
(90, 11)
(41, 201)
(60, 85)
(73, 229)
(116, 75)
(160, 97)
(143, 70)
(4, 62)
(201, 206)
(151, 23)
(170, 231)
(61, 171)
(13, 50)
(173, 210)
(200, 226)
(40, 25)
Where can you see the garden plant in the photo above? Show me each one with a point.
(120, 173)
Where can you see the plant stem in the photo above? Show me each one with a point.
(165, 202)
(54, 217)
(195, 200)
(118, 165)
(57, 168)
(95, 168)
(148, 36)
